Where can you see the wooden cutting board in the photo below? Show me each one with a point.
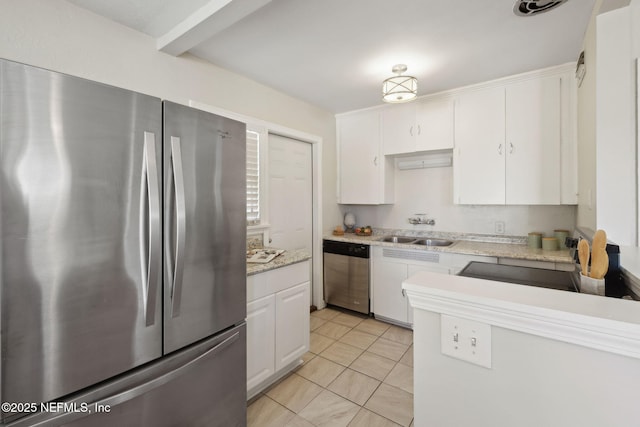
(583, 256)
(599, 264)
(599, 257)
(599, 240)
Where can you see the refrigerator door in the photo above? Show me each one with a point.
(203, 385)
(80, 232)
(205, 224)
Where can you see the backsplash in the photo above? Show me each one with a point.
(430, 191)
(254, 241)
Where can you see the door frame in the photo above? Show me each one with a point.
(317, 297)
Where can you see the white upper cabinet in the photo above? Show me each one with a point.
(435, 128)
(514, 141)
(399, 129)
(509, 144)
(479, 164)
(422, 126)
(365, 175)
(533, 142)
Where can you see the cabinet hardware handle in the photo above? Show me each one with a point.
(403, 294)
(181, 226)
(419, 130)
(511, 148)
(375, 160)
(150, 220)
(500, 149)
(411, 131)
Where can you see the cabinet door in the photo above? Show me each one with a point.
(292, 324)
(399, 129)
(479, 156)
(260, 340)
(388, 298)
(413, 269)
(533, 142)
(361, 167)
(435, 125)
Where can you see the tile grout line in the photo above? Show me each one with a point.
(380, 382)
(398, 341)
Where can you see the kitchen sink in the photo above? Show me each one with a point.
(398, 239)
(416, 241)
(433, 242)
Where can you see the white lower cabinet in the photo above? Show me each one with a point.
(277, 323)
(261, 340)
(391, 266)
(390, 301)
(292, 324)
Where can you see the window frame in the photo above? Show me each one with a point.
(262, 222)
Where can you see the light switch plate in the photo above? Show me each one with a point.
(466, 340)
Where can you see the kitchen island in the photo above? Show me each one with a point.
(521, 355)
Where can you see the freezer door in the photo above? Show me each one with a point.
(203, 385)
(205, 224)
(79, 214)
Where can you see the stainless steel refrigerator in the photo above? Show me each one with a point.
(122, 257)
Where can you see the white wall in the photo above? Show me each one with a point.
(586, 212)
(430, 191)
(616, 151)
(533, 382)
(59, 36)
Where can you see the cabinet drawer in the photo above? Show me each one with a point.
(270, 282)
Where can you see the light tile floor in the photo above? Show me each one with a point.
(358, 373)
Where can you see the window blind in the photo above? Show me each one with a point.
(253, 178)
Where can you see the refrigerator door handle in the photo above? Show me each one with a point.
(150, 217)
(181, 224)
(132, 393)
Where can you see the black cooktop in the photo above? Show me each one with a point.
(551, 279)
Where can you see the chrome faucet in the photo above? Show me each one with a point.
(421, 219)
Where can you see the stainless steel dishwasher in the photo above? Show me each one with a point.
(346, 275)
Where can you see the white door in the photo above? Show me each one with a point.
(290, 193)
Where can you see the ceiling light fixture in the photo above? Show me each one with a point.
(399, 88)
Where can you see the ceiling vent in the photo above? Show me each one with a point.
(533, 7)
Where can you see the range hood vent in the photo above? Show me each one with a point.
(433, 160)
(533, 7)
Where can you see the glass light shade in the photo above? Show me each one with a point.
(399, 89)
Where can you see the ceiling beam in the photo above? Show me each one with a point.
(204, 23)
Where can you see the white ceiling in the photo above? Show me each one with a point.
(335, 53)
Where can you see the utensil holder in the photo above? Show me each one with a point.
(589, 285)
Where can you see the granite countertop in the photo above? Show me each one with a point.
(464, 243)
(287, 258)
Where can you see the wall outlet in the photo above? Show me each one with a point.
(499, 225)
(466, 340)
